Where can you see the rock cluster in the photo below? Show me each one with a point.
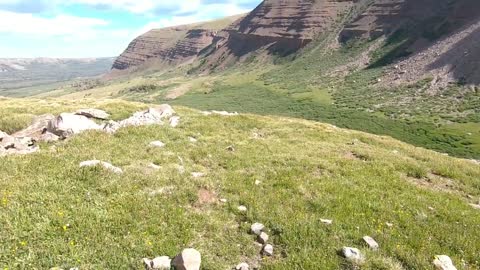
(50, 128)
(188, 259)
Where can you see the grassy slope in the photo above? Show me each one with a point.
(308, 171)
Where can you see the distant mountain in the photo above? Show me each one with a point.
(16, 73)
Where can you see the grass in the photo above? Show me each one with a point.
(54, 214)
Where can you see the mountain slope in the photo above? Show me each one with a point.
(170, 46)
(413, 202)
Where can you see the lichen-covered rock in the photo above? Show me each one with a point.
(189, 259)
(443, 262)
(67, 124)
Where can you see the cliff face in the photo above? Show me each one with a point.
(173, 45)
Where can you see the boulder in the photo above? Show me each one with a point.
(94, 113)
(111, 127)
(67, 124)
(262, 238)
(37, 128)
(159, 263)
(189, 259)
(17, 146)
(443, 262)
(352, 254)
(370, 242)
(3, 135)
(152, 116)
(164, 110)
(106, 165)
(242, 208)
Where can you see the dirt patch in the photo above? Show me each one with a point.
(206, 197)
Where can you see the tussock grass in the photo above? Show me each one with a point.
(52, 213)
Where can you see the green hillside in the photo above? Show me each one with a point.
(413, 202)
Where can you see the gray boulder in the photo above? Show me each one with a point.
(37, 128)
(159, 263)
(94, 113)
(352, 254)
(67, 124)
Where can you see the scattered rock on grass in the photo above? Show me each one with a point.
(189, 259)
(443, 262)
(262, 238)
(154, 166)
(198, 174)
(67, 124)
(174, 121)
(242, 266)
(192, 140)
(370, 242)
(157, 144)
(257, 228)
(242, 208)
(268, 250)
(326, 221)
(159, 263)
(352, 254)
(106, 165)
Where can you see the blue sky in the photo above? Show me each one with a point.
(96, 28)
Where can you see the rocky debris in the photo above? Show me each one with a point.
(111, 127)
(67, 124)
(157, 144)
(443, 262)
(257, 228)
(370, 242)
(231, 148)
(159, 263)
(352, 254)
(242, 266)
(17, 146)
(174, 121)
(192, 140)
(189, 259)
(93, 113)
(476, 206)
(106, 165)
(151, 116)
(258, 182)
(326, 221)
(154, 166)
(223, 200)
(390, 225)
(3, 135)
(38, 129)
(262, 238)
(267, 250)
(224, 113)
(242, 208)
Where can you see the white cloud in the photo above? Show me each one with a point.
(24, 23)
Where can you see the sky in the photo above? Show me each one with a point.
(96, 28)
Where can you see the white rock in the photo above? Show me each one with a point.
(67, 124)
(224, 113)
(154, 166)
(326, 221)
(263, 238)
(37, 129)
(258, 182)
(223, 200)
(257, 228)
(370, 242)
(352, 254)
(152, 116)
(111, 127)
(197, 174)
(242, 208)
(159, 263)
(389, 224)
(174, 121)
(443, 262)
(158, 144)
(242, 266)
(268, 250)
(106, 165)
(192, 140)
(189, 259)
(93, 113)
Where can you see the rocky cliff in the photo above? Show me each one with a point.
(173, 45)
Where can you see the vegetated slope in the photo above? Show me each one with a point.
(170, 46)
(414, 202)
(21, 73)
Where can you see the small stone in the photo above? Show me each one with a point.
(476, 206)
(242, 208)
(223, 200)
(231, 148)
(154, 166)
(158, 144)
(174, 121)
(352, 254)
(106, 165)
(257, 228)
(242, 266)
(192, 140)
(326, 221)
(258, 182)
(268, 250)
(262, 238)
(197, 174)
(370, 242)
(159, 263)
(389, 224)
(443, 262)
(189, 259)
